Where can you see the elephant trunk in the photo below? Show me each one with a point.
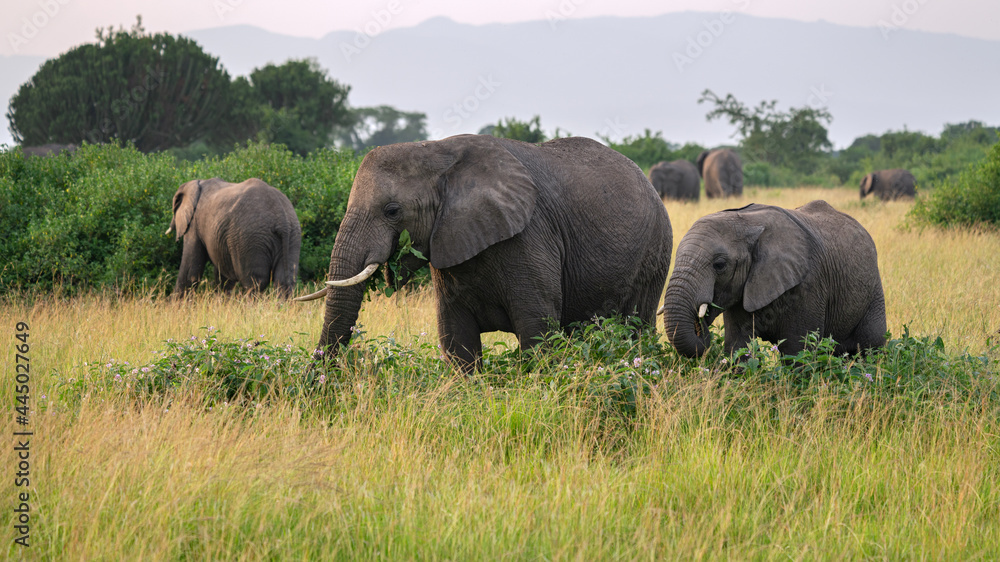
(687, 317)
(352, 255)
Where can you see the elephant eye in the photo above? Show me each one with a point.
(392, 211)
(719, 264)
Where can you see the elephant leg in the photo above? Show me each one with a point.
(256, 277)
(226, 283)
(193, 261)
(531, 326)
(869, 333)
(460, 337)
(283, 275)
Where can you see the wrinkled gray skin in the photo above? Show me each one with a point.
(777, 274)
(515, 233)
(248, 231)
(677, 180)
(888, 185)
(723, 173)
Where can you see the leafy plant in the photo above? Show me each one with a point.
(973, 199)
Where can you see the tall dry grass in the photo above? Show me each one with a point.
(707, 467)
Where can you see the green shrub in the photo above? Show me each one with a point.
(96, 218)
(972, 199)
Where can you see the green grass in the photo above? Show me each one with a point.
(594, 447)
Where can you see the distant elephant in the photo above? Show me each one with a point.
(888, 185)
(248, 230)
(776, 274)
(677, 180)
(48, 149)
(723, 173)
(516, 234)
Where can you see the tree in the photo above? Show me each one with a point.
(794, 139)
(649, 149)
(155, 91)
(381, 125)
(304, 104)
(527, 131)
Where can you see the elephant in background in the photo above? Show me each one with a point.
(677, 180)
(776, 274)
(889, 185)
(516, 235)
(46, 150)
(249, 231)
(723, 173)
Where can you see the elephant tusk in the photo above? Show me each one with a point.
(318, 294)
(662, 309)
(356, 279)
(168, 230)
(702, 310)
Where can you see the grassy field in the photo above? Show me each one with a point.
(404, 459)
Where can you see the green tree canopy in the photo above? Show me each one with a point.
(303, 104)
(511, 128)
(796, 139)
(155, 91)
(381, 125)
(650, 148)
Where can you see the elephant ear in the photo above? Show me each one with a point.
(488, 196)
(185, 201)
(868, 184)
(700, 162)
(781, 256)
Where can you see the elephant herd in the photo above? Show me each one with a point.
(518, 235)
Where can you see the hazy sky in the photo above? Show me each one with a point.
(50, 27)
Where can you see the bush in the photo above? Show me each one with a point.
(95, 218)
(973, 199)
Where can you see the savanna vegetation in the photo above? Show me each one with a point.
(201, 429)
(96, 218)
(196, 429)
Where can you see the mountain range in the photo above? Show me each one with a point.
(615, 77)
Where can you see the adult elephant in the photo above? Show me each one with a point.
(516, 234)
(723, 173)
(677, 180)
(777, 274)
(889, 185)
(248, 231)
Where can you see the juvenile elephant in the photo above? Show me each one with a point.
(723, 173)
(248, 230)
(677, 180)
(777, 274)
(888, 185)
(516, 234)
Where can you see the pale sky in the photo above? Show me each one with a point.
(50, 27)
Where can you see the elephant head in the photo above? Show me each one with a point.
(456, 197)
(185, 202)
(742, 258)
(700, 162)
(867, 184)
